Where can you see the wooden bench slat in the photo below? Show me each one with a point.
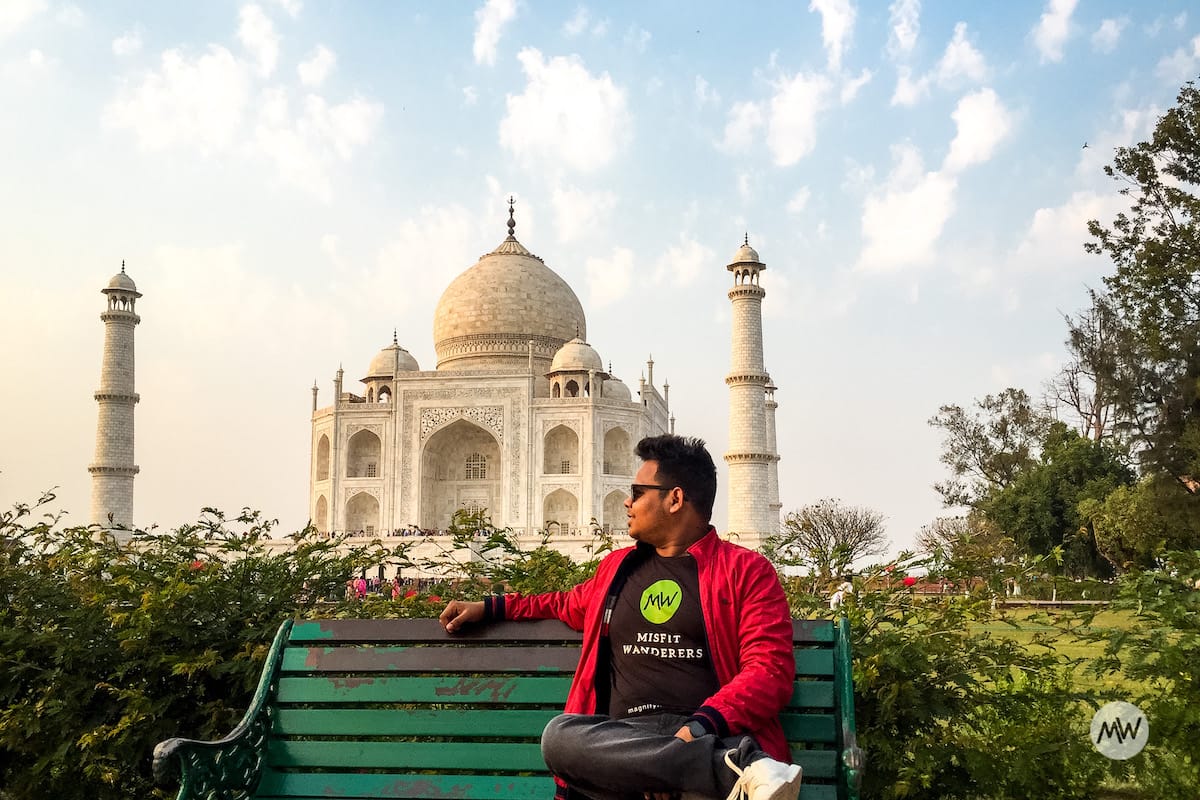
(809, 727)
(330, 631)
(430, 659)
(467, 723)
(812, 694)
(508, 690)
(820, 765)
(367, 785)
(393, 755)
(814, 662)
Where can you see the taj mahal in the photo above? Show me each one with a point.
(519, 417)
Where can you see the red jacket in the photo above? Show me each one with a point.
(749, 629)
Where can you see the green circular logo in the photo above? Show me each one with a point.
(660, 601)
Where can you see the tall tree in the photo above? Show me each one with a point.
(1155, 289)
(987, 449)
(827, 537)
(1082, 390)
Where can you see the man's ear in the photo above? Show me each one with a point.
(677, 500)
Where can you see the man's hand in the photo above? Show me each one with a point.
(458, 613)
(685, 734)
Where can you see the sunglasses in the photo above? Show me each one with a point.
(636, 490)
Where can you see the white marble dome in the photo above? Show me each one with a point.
(489, 314)
(122, 282)
(388, 359)
(745, 255)
(576, 356)
(615, 389)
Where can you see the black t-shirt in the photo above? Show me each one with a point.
(660, 660)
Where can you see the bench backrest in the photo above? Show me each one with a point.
(400, 709)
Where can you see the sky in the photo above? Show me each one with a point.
(288, 182)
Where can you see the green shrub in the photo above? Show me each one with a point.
(1159, 655)
(108, 648)
(944, 711)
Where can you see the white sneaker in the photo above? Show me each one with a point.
(765, 779)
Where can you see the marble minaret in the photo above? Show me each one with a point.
(113, 470)
(751, 455)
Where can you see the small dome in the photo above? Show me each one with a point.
(745, 254)
(576, 356)
(122, 282)
(387, 359)
(614, 389)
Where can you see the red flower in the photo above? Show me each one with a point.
(197, 564)
(433, 598)
(910, 581)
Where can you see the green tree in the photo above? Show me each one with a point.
(1155, 247)
(827, 537)
(988, 448)
(1136, 523)
(1045, 506)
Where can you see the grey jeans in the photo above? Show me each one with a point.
(622, 759)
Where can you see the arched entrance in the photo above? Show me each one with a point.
(460, 468)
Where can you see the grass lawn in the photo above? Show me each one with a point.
(1033, 628)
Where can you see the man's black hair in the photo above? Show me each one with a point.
(683, 461)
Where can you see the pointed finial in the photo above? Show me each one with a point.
(122, 266)
(746, 239)
(610, 368)
(395, 341)
(512, 223)
(576, 330)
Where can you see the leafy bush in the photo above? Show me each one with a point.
(1159, 654)
(946, 711)
(108, 648)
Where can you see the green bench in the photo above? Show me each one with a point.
(362, 708)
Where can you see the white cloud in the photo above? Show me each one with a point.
(961, 60)
(837, 26)
(304, 147)
(744, 120)
(1052, 30)
(683, 263)
(316, 69)
(15, 14)
(705, 94)
(197, 103)
(470, 95)
(71, 15)
(745, 186)
(799, 201)
(609, 278)
(257, 34)
(1055, 236)
(637, 38)
(565, 115)
(577, 213)
(983, 122)
(127, 43)
(903, 220)
(1180, 20)
(1105, 38)
(904, 16)
(491, 18)
(792, 127)
(397, 287)
(1181, 65)
(909, 92)
(577, 24)
(292, 7)
(778, 303)
(851, 86)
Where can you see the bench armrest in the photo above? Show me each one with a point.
(854, 761)
(221, 768)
